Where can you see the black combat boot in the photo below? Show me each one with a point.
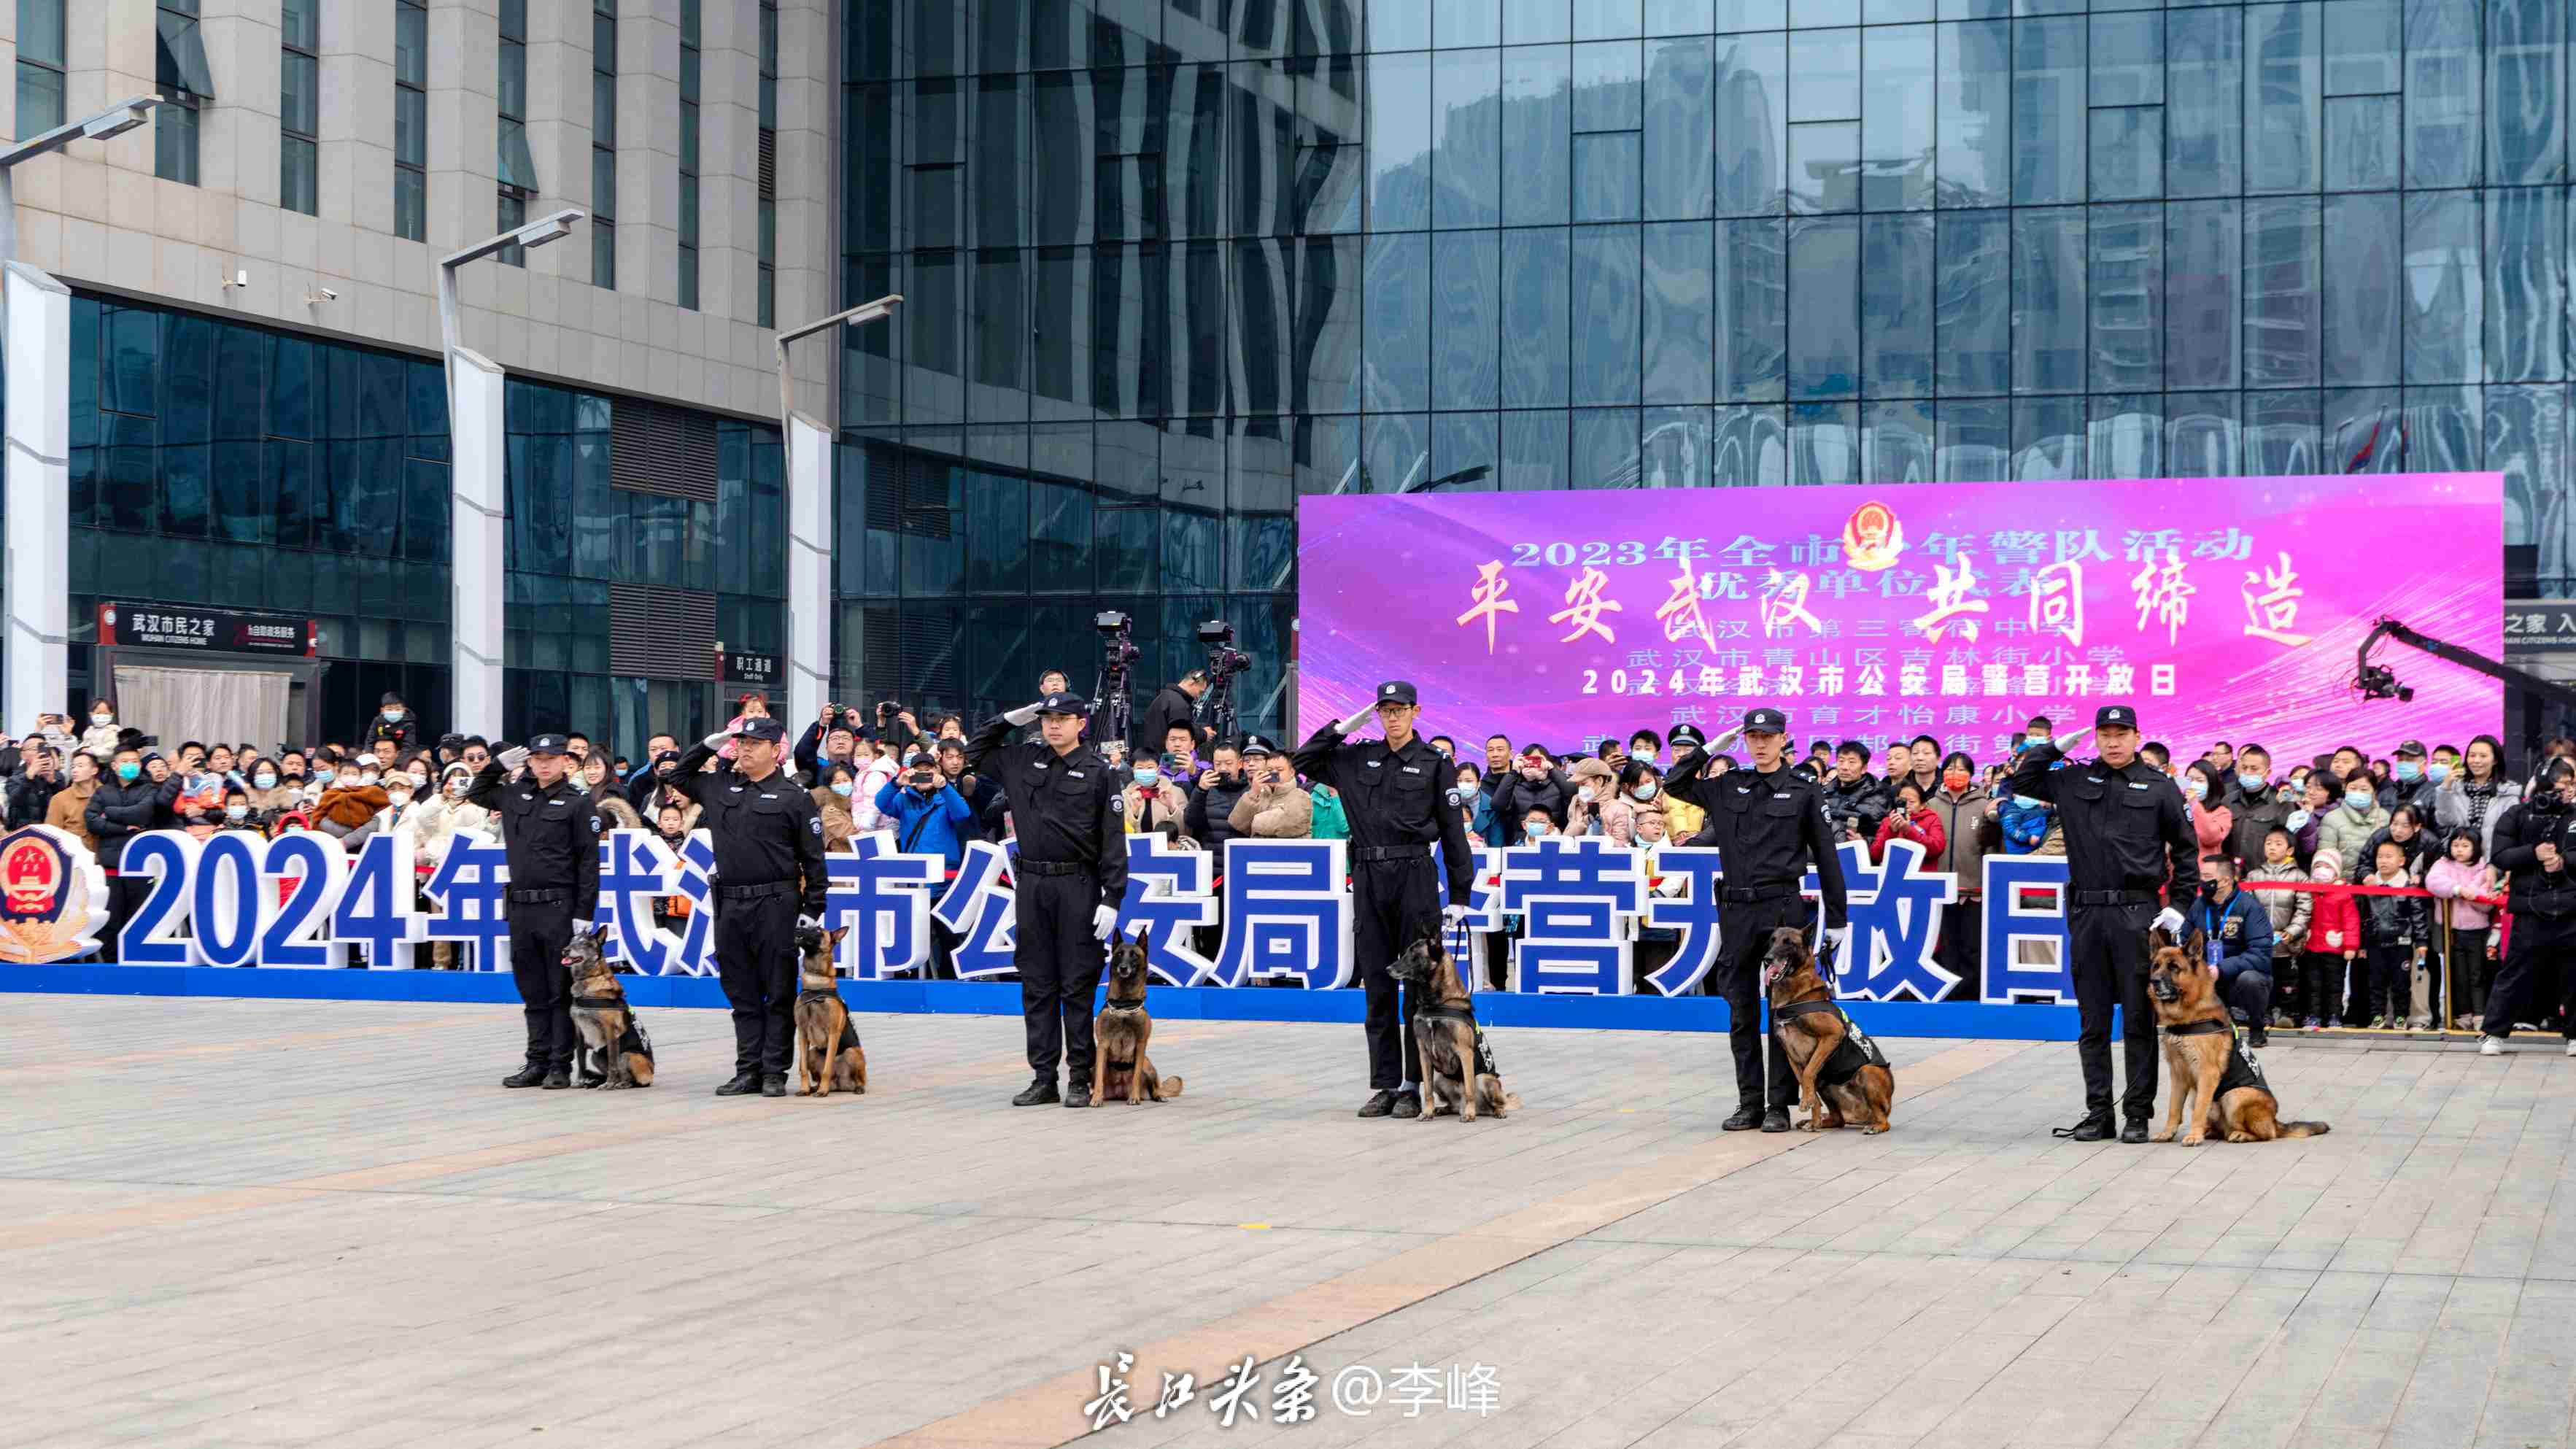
(530, 1075)
(744, 1083)
(1037, 1093)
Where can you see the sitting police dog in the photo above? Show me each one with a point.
(828, 1056)
(1458, 1071)
(1843, 1077)
(2204, 1062)
(620, 1054)
(1119, 1068)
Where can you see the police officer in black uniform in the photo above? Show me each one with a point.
(1768, 823)
(2123, 820)
(2535, 845)
(551, 832)
(769, 883)
(1071, 874)
(1396, 793)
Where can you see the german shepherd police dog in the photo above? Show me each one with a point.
(1120, 1070)
(620, 1051)
(2203, 1060)
(1843, 1077)
(1453, 1049)
(828, 1055)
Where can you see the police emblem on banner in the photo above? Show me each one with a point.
(53, 898)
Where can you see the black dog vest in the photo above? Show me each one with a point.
(632, 1041)
(1852, 1053)
(1484, 1063)
(2241, 1071)
(849, 1023)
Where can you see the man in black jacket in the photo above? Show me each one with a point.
(1855, 800)
(2534, 844)
(33, 787)
(124, 806)
(1212, 799)
(1534, 783)
(1177, 704)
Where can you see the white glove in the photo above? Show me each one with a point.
(1103, 921)
(2297, 821)
(1725, 742)
(805, 922)
(1355, 721)
(2169, 921)
(1453, 913)
(1838, 937)
(513, 757)
(716, 741)
(1021, 716)
(2071, 739)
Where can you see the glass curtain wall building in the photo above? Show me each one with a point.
(231, 466)
(1169, 267)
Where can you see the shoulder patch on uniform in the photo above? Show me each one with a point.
(815, 825)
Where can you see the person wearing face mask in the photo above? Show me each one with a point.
(1152, 799)
(1209, 819)
(924, 811)
(2346, 829)
(123, 806)
(2409, 783)
(1273, 807)
(391, 721)
(2316, 798)
(2252, 801)
(102, 736)
(2534, 844)
(1963, 807)
(832, 799)
(615, 812)
(271, 793)
(1596, 800)
(2212, 823)
(1534, 783)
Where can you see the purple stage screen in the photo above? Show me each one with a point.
(2223, 608)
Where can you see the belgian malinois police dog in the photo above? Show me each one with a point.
(1843, 1078)
(2203, 1060)
(828, 1055)
(1458, 1071)
(621, 1055)
(1120, 1070)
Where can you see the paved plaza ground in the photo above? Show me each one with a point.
(288, 1223)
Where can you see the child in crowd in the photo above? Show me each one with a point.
(2334, 943)
(2466, 886)
(2396, 928)
(2289, 910)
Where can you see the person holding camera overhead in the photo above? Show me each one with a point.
(2533, 846)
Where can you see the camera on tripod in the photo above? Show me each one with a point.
(1224, 660)
(1117, 651)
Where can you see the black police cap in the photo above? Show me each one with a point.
(1397, 691)
(1065, 702)
(1765, 721)
(762, 727)
(2115, 714)
(1256, 745)
(1687, 734)
(546, 744)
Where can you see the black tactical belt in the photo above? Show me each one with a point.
(538, 898)
(2112, 898)
(753, 892)
(1051, 867)
(1391, 852)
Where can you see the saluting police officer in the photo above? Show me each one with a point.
(1768, 824)
(769, 884)
(1072, 875)
(1396, 793)
(551, 833)
(2122, 820)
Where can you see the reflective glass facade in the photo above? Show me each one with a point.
(226, 465)
(1168, 267)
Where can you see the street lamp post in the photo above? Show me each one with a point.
(477, 450)
(36, 331)
(809, 522)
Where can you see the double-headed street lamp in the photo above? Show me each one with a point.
(809, 522)
(36, 333)
(478, 440)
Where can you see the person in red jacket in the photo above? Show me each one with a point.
(1910, 820)
(2334, 944)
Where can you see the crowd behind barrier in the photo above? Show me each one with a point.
(2359, 888)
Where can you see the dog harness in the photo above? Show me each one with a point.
(2241, 1071)
(1484, 1064)
(849, 1024)
(1852, 1053)
(632, 1041)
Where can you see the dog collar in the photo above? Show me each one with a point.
(1113, 1004)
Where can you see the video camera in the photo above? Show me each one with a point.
(1224, 662)
(1117, 651)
